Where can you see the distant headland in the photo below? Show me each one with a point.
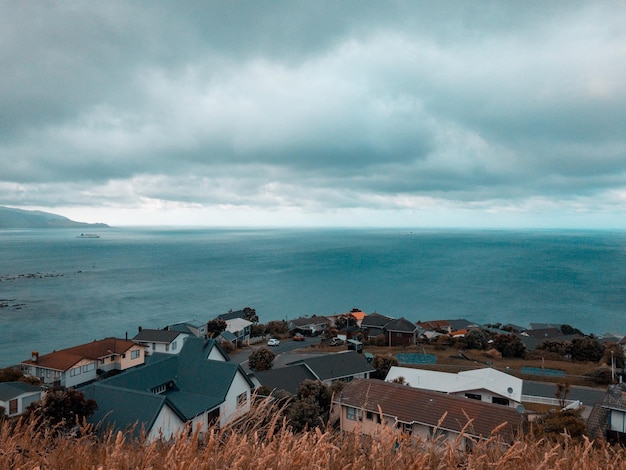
(17, 218)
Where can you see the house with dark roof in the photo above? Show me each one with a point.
(81, 364)
(192, 327)
(343, 366)
(374, 324)
(161, 341)
(284, 378)
(608, 419)
(400, 332)
(16, 396)
(308, 326)
(371, 406)
(172, 391)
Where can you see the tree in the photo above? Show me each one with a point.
(215, 327)
(250, 314)
(554, 426)
(261, 359)
(562, 390)
(474, 339)
(8, 374)
(277, 328)
(61, 409)
(382, 364)
(509, 346)
(587, 349)
(311, 407)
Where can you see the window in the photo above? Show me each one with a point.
(159, 389)
(135, 354)
(167, 347)
(102, 361)
(371, 416)
(500, 401)
(473, 396)
(242, 399)
(174, 346)
(354, 414)
(89, 367)
(75, 371)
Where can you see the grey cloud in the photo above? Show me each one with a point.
(311, 104)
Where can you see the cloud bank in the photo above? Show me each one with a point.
(316, 113)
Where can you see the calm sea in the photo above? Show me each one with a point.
(57, 290)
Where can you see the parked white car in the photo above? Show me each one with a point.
(273, 342)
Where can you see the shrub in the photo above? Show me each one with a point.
(382, 364)
(261, 359)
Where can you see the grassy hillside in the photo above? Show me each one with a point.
(263, 442)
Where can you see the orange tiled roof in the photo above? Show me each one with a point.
(66, 358)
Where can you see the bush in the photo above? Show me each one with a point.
(228, 347)
(261, 359)
(382, 364)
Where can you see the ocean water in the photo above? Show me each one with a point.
(57, 290)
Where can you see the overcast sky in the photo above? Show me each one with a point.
(337, 113)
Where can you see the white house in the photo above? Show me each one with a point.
(486, 384)
(373, 407)
(240, 328)
(16, 396)
(199, 386)
(80, 364)
(161, 341)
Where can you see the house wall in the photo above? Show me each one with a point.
(82, 372)
(486, 396)
(231, 409)
(369, 424)
(22, 401)
(395, 338)
(135, 356)
(618, 421)
(166, 425)
(47, 376)
(216, 355)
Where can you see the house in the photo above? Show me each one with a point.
(16, 396)
(608, 419)
(369, 406)
(308, 326)
(343, 366)
(439, 326)
(400, 332)
(240, 328)
(192, 327)
(161, 341)
(284, 378)
(486, 384)
(80, 364)
(196, 387)
(374, 324)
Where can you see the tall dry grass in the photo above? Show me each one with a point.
(263, 441)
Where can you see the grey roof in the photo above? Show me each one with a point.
(306, 321)
(402, 325)
(232, 315)
(228, 336)
(194, 385)
(11, 390)
(375, 320)
(285, 378)
(123, 409)
(156, 336)
(338, 365)
(461, 324)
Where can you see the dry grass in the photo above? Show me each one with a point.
(264, 442)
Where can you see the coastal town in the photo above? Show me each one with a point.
(423, 379)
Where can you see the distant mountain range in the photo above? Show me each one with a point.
(17, 218)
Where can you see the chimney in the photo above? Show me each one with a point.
(139, 328)
(34, 356)
(127, 336)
